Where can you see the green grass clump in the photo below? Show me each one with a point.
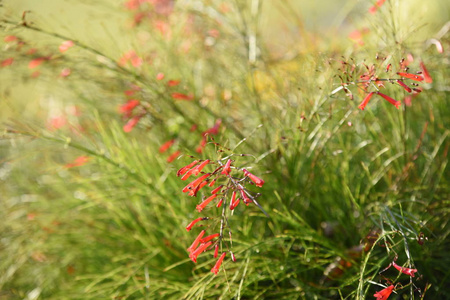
(92, 211)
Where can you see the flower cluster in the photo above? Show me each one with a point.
(367, 79)
(229, 189)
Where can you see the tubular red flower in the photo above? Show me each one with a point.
(406, 271)
(194, 191)
(216, 251)
(209, 237)
(66, 45)
(234, 204)
(233, 258)
(216, 267)
(173, 82)
(258, 181)
(246, 199)
(426, 75)
(217, 189)
(164, 147)
(7, 62)
(384, 294)
(131, 123)
(196, 241)
(79, 161)
(195, 183)
(128, 107)
(200, 167)
(403, 85)
(189, 227)
(227, 168)
(186, 168)
(193, 256)
(37, 62)
(365, 101)
(411, 76)
(388, 67)
(202, 205)
(392, 101)
(219, 204)
(187, 175)
(174, 155)
(212, 183)
(180, 96)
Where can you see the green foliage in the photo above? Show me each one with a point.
(347, 191)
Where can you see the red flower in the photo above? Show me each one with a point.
(192, 186)
(196, 242)
(128, 107)
(365, 101)
(173, 82)
(180, 96)
(160, 76)
(173, 156)
(193, 256)
(411, 76)
(65, 46)
(65, 72)
(234, 204)
(378, 4)
(164, 147)
(202, 205)
(403, 85)
(219, 204)
(227, 168)
(131, 123)
(10, 38)
(392, 101)
(189, 227)
(217, 189)
(258, 181)
(7, 62)
(384, 294)
(200, 167)
(216, 267)
(37, 62)
(79, 161)
(132, 57)
(406, 271)
(186, 168)
(216, 251)
(209, 237)
(426, 75)
(247, 200)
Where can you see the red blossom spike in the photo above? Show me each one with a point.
(216, 267)
(365, 101)
(403, 85)
(227, 168)
(406, 271)
(180, 96)
(131, 123)
(193, 256)
(384, 294)
(209, 237)
(186, 168)
(219, 204)
(196, 241)
(426, 75)
(212, 183)
(392, 101)
(202, 205)
(187, 175)
(189, 227)
(200, 167)
(173, 156)
(164, 147)
(217, 189)
(411, 76)
(258, 181)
